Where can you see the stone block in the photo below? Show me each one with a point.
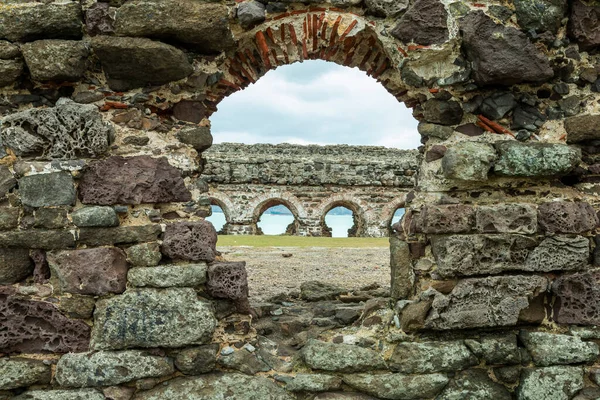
(163, 276)
(552, 349)
(577, 299)
(559, 253)
(15, 265)
(535, 159)
(169, 63)
(133, 180)
(582, 128)
(199, 137)
(39, 327)
(9, 217)
(118, 235)
(98, 271)
(50, 218)
(484, 302)
(194, 241)
(171, 317)
(557, 383)
(403, 277)
(427, 357)
(18, 372)
(442, 112)
(468, 161)
(506, 218)
(567, 217)
(53, 189)
(26, 21)
(424, 23)
(66, 131)
(203, 25)
(95, 217)
(250, 13)
(144, 254)
(398, 386)
(81, 369)
(474, 384)
(10, 71)
(496, 349)
(340, 357)
(197, 360)
(314, 383)
(38, 239)
(454, 218)
(583, 26)
(56, 60)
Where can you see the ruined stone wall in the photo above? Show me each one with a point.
(111, 287)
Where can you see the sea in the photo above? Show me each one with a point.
(275, 224)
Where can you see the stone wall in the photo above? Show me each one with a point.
(111, 287)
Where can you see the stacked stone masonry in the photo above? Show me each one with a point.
(110, 283)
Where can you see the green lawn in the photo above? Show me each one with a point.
(299, 241)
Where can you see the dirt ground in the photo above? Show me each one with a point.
(271, 273)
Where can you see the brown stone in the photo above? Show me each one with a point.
(424, 23)
(39, 327)
(96, 271)
(41, 271)
(435, 153)
(567, 217)
(414, 315)
(229, 280)
(582, 128)
(193, 241)
(134, 180)
(584, 24)
(454, 218)
(190, 111)
(577, 299)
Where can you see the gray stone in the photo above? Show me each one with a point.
(53, 189)
(10, 71)
(95, 216)
(75, 394)
(7, 181)
(109, 368)
(50, 218)
(197, 360)
(17, 373)
(217, 387)
(314, 383)
(498, 105)
(203, 25)
(540, 15)
(8, 51)
(343, 396)
(535, 159)
(244, 361)
(9, 217)
(501, 54)
(386, 8)
(398, 386)
(427, 357)
(552, 349)
(508, 375)
(67, 131)
(496, 349)
(468, 161)
(506, 218)
(164, 276)
(340, 357)
(317, 291)
(56, 60)
(144, 254)
(442, 112)
(198, 137)
(250, 13)
(435, 130)
(171, 317)
(424, 23)
(559, 253)
(118, 235)
(15, 265)
(556, 383)
(474, 384)
(484, 302)
(401, 267)
(582, 128)
(37, 239)
(31, 21)
(168, 63)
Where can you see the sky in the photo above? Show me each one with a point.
(315, 102)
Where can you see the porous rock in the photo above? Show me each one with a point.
(26, 21)
(171, 317)
(72, 394)
(96, 271)
(552, 349)
(427, 357)
(56, 60)
(197, 360)
(228, 280)
(468, 161)
(217, 386)
(501, 55)
(484, 302)
(474, 384)
(38, 326)
(168, 63)
(81, 369)
(559, 253)
(454, 218)
(250, 13)
(424, 23)
(340, 357)
(194, 241)
(97, 216)
(18, 372)
(506, 218)
(15, 265)
(582, 128)
(535, 159)
(68, 130)
(99, 19)
(557, 383)
(577, 298)
(133, 180)
(398, 386)
(567, 217)
(163, 276)
(583, 24)
(53, 189)
(203, 25)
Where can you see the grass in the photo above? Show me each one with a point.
(299, 241)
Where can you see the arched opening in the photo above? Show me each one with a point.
(217, 218)
(342, 219)
(397, 216)
(275, 217)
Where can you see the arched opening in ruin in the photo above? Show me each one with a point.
(342, 219)
(276, 217)
(217, 217)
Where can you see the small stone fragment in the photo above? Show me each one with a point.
(496, 349)
(386, 8)
(198, 137)
(442, 112)
(317, 291)
(582, 128)
(540, 15)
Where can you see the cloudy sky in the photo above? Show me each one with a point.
(315, 102)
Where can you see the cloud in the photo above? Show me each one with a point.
(315, 103)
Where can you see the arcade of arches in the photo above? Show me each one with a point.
(110, 283)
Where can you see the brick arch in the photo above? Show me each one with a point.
(387, 212)
(223, 201)
(262, 203)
